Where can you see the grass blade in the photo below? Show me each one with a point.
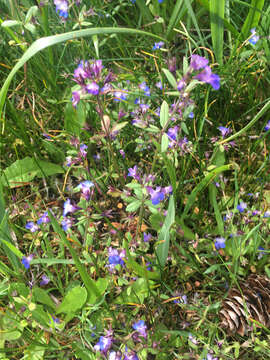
(217, 10)
(175, 17)
(252, 18)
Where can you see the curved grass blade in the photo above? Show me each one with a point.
(206, 181)
(252, 18)
(217, 10)
(252, 122)
(45, 42)
(175, 17)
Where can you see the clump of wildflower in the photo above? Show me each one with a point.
(27, 260)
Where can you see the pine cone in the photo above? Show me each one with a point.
(251, 303)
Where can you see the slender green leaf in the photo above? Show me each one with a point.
(217, 10)
(164, 235)
(175, 17)
(170, 78)
(252, 18)
(206, 181)
(164, 143)
(164, 114)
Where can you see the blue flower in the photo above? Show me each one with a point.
(241, 207)
(141, 328)
(61, 8)
(254, 38)
(261, 251)
(267, 126)
(92, 88)
(116, 257)
(156, 195)
(158, 45)
(31, 226)
(224, 131)
(45, 280)
(85, 187)
(44, 219)
(104, 344)
(220, 243)
(26, 261)
(69, 208)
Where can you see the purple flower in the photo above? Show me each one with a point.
(266, 214)
(224, 131)
(208, 77)
(104, 344)
(220, 243)
(85, 187)
(61, 8)
(31, 226)
(158, 45)
(75, 98)
(198, 62)
(92, 88)
(96, 68)
(191, 115)
(45, 280)
(254, 38)
(146, 237)
(83, 151)
(122, 153)
(193, 339)
(241, 207)
(116, 257)
(133, 172)
(210, 357)
(66, 223)
(141, 328)
(69, 208)
(26, 261)
(173, 132)
(44, 219)
(267, 126)
(181, 85)
(156, 195)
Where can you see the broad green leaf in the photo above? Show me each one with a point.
(101, 284)
(133, 206)
(164, 143)
(74, 118)
(45, 42)
(25, 170)
(42, 297)
(217, 10)
(164, 114)
(10, 23)
(164, 235)
(73, 301)
(120, 126)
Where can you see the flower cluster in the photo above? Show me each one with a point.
(92, 80)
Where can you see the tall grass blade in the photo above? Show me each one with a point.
(217, 10)
(175, 17)
(252, 18)
(45, 42)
